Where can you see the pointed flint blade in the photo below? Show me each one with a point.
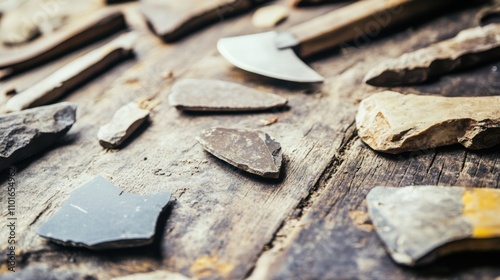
(258, 54)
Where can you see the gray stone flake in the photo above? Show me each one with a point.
(252, 151)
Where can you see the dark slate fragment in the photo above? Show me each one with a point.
(252, 151)
(26, 133)
(172, 20)
(98, 215)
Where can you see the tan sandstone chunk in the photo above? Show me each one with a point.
(392, 122)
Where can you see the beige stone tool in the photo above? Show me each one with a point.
(392, 122)
(125, 121)
(470, 47)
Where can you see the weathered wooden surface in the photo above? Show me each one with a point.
(223, 223)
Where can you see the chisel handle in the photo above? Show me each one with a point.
(363, 19)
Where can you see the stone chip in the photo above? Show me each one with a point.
(252, 151)
(418, 224)
(98, 215)
(392, 122)
(172, 19)
(220, 96)
(29, 132)
(125, 121)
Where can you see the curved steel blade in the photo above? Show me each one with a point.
(257, 53)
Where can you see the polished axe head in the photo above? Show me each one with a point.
(259, 53)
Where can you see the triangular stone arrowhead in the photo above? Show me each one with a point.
(219, 96)
(98, 215)
(252, 151)
(26, 133)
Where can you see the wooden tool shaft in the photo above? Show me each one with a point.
(362, 19)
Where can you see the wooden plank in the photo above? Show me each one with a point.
(334, 239)
(223, 221)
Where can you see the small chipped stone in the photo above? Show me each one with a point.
(98, 215)
(24, 134)
(269, 16)
(420, 224)
(269, 121)
(220, 96)
(392, 122)
(125, 121)
(252, 151)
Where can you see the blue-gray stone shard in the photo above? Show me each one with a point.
(99, 215)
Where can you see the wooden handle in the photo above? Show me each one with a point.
(362, 19)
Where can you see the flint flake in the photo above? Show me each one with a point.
(98, 215)
(215, 96)
(252, 151)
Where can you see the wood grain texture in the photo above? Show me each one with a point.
(223, 223)
(359, 19)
